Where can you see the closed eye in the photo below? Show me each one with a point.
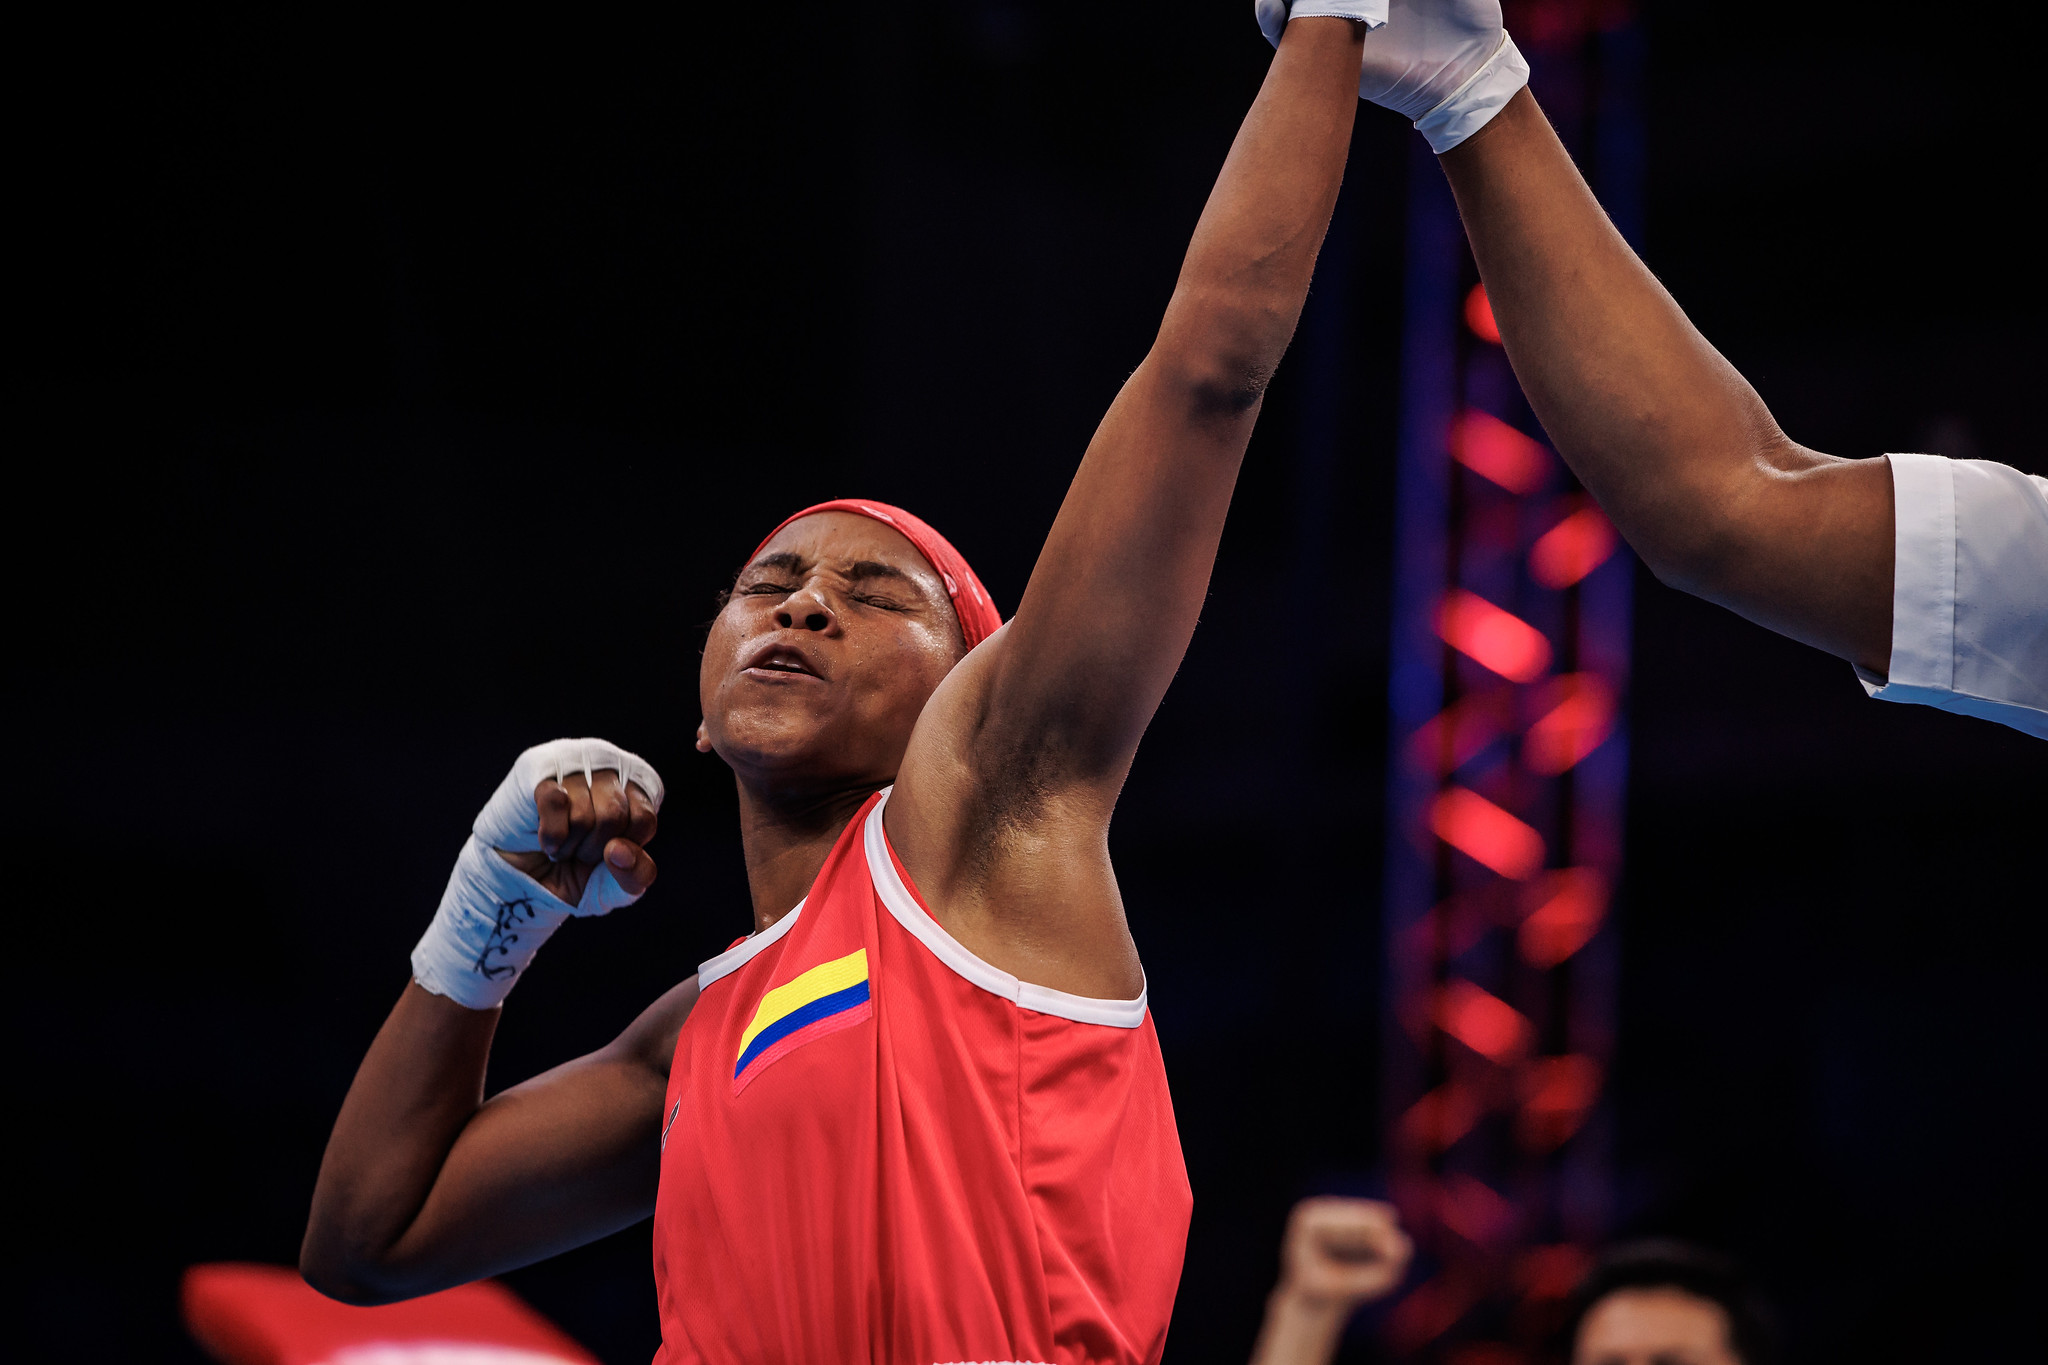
(763, 589)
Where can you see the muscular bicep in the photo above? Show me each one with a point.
(554, 1162)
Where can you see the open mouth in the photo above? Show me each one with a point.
(783, 660)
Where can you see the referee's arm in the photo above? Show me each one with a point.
(1684, 456)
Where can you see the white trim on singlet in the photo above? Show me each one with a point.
(737, 956)
(949, 950)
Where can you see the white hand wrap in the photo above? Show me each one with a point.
(493, 917)
(1448, 65)
(1274, 14)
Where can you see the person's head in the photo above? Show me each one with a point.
(1668, 1303)
(830, 641)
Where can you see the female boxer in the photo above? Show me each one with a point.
(919, 1114)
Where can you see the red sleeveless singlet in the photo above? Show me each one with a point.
(878, 1147)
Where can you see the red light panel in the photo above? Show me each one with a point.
(1570, 903)
(1441, 1117)
(1486, 834)
(1482, 1021)
(1577, 718)
(1491, 637)
(1573, 548)
(1560, 1092)
(1474, 1211)
(1494, 450)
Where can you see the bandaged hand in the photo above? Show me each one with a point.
(1446, 65)
(563, 835)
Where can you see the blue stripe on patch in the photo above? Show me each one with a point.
(824, 1007)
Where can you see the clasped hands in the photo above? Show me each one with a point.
(1446, 65)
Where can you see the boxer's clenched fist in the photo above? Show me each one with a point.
(584, 819)
(562, 804)
(564, 834)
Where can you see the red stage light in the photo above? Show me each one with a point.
(1479, 315)
(1573, 548)
(1558, 1094)
(1494, 638)
(1491, 448)
(1486, 834)
(1578, 717)
(1473, 1210)
(1482, 1021)
(1570, 903)
(1441, 1117)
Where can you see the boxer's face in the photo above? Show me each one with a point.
(820, 663)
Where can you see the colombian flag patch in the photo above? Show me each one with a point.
(827, 998)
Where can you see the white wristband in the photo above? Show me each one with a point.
(1472, 105)
(492, 920)
(493, 917)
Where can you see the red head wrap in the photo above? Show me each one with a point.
(977, 615)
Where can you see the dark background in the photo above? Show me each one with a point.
(389, 397)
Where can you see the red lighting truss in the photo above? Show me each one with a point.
(1506, 775)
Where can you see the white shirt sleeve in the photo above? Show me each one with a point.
(1969, 591)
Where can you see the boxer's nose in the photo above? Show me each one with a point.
(805, 609)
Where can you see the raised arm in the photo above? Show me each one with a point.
(1675, 445)
(427, 1184)
(1112, 602)
(1004, 797)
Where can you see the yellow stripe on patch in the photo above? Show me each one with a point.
(815, 984)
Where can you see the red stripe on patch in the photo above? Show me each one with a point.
(808, 1033)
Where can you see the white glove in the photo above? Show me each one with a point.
(1274, 14)
(493, 917)
(1448, 65)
